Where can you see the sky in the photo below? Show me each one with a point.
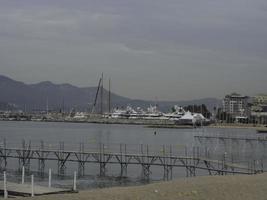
(150, 49)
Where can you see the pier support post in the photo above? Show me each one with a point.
(123, 172)
(3, 159)
(32, 185)
(225, 167)
(81, 168)
(146, 171)
(102, 169)
(23, 175)
(74, 181)
(102, 160)
(123, 161)
(193, 171)
(24, 156)
(167, 173)
(62, 157)
(5, 187)
(61, 168)
(194, 162)
(49, 177)
(41, 160)
(81, 161)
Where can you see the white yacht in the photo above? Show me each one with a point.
(177, 114)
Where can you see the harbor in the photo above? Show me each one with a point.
(133, 100)
(152, 116)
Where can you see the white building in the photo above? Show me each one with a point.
(236, 105)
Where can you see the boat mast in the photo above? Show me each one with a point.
(109, 97)
(101, 96)
(99, 83)
(47, 109)
(63, 106)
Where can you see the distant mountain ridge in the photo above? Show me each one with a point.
(66, 96)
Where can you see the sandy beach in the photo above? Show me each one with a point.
(230, 187)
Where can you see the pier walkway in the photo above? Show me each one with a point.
(168, 161)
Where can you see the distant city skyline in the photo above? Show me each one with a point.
(151, 49)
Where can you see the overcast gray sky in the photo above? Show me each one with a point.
(151, 49)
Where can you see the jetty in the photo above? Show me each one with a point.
(123, 157)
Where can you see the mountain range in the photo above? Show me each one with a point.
(66, 96)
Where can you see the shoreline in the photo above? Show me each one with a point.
(174, 126)
(250, 126)
(238, 187)
(152, 123)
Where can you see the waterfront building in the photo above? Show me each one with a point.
(259, 109)
(236, 105)
(258, 117)
(260, 99)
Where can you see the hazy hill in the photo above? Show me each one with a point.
(59, 96)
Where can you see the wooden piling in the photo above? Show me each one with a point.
(32, 185)
(74, 182)
(5, 186)
(49, 177)
(23, 175)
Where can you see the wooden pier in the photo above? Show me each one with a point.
(167, 159)
(15, 189)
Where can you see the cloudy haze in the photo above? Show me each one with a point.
(163, 49)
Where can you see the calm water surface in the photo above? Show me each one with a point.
(112, 136)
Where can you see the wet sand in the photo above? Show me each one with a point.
(237, 187)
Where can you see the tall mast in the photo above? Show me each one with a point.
(47, 109)
(99, 84)
(63, 105)
(109, 97)
(101, 95)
